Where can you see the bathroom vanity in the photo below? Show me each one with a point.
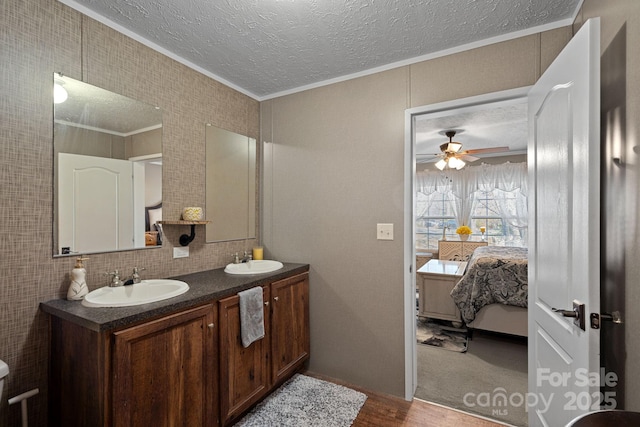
(179, 361)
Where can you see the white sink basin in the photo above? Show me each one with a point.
(254, 267)
(147, 291)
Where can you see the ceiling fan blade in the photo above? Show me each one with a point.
(435, 156)
(468, 158)
(486, 150)
(424, 158)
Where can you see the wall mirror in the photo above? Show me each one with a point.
(230, 185)
(107, 170)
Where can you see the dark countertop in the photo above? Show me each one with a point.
(204, 287)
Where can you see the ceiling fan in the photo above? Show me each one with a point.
(451, 157)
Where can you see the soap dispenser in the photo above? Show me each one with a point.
(78, 288)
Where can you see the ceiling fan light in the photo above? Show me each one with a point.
(460, 164)
(454, 147)
(441, 164)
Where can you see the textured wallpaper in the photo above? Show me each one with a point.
(38, 37)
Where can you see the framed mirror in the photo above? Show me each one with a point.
(230, 185)
(107, 170)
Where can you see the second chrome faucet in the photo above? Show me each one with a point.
(245, 258)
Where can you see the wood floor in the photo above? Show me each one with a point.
(390, 411)
(382, 410)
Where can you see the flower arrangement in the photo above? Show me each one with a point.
(463, 229)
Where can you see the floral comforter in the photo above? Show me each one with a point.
(495, 274)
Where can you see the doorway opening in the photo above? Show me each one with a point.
(497, 119)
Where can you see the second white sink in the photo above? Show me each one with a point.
(254, 267)
(147, 291)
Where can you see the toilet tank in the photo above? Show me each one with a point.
(4, 371)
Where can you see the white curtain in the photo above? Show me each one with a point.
(507, 182)
(430, 186)
(507, 178)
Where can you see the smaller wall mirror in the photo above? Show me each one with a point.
(107, 170)
(230, 185)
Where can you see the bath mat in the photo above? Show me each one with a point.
(439, 334)
(306, 401)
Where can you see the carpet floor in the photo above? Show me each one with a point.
(493, 365)
(305, 401)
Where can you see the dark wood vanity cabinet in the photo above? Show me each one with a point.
(248, 374)
(187, 368)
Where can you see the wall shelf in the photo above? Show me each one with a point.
(185, 239)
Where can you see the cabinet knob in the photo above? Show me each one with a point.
(276, 298)
(211, 325)
(266, 303)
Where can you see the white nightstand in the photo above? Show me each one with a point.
(435, 281)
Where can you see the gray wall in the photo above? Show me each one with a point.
(334, 168)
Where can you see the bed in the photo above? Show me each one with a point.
(492, 294)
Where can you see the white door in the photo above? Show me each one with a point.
(564, 251)
(95, 204)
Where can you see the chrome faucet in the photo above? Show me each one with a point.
(135, 277)
(245, 258)
(115, 279)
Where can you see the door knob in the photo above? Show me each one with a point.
(577, 314)
(596, 318)
(614, 317)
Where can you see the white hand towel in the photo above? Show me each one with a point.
(251, 315)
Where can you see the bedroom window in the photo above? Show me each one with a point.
(490, 196)
(503, 214)
(434, 213)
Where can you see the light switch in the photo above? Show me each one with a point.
(385, 231)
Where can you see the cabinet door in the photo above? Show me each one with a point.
(164, 371)
(289, 325)
(244, 372)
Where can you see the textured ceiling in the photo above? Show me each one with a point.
(269, 47)
(483, 127)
